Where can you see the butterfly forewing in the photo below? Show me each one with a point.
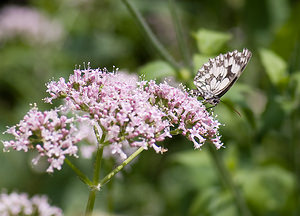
(217, 76)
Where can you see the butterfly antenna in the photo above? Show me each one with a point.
(231, 107)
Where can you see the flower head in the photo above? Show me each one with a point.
(29, 24)
(120, 108)
(20, 204)
(127, 113)
(51, 134)
(185, 113)
(140, 114)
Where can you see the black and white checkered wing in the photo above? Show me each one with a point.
(217, 76)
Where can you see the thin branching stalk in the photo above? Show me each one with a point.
(180, 37)
(106, 179)
(99, 155)
(80, 174)
(110, 198)
(90, 203)
(120, 167)
(97, 167)
(150, 35)
(228, 182)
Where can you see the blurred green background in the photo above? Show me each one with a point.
(262, 151)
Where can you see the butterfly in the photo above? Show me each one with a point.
(218, 75)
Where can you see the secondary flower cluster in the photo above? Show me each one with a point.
(127, 113)
(185, 113)
(29, 24)
(53, 136)
(20, 204)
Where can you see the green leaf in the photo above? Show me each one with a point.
(157, 70)
(212, 201)
(295, 78)
(275, 67)
(211, 42)
(273, 108)
(196, 164)
(192, 158)
(268, 188)
(279, 12)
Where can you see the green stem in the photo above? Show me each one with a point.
(146, 29)
(97, 166)
(180, 37)
(80, 174)
(90, 203)
(120, 167)
(110, 200)
(227, 180)
(98, 156)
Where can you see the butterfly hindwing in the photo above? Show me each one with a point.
(217, 76)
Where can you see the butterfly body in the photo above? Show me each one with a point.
(217, 76)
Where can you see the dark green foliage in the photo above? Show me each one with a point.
(262, 145)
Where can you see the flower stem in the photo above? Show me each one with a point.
(98, 156)
(110, 200)
(120, 167)
(152, 38)
(81, 176)
(97, 167)
(227, 180)
(90, 203)
(180, 37)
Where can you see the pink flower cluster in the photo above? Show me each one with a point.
(20, 204)
(139, 114)
(127, 113)
(185, 113)
(48, 133)
(29, 24)
(120, 108)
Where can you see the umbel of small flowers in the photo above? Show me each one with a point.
(28, 24)
(127, 114)
(53, 136)
(14, 204)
